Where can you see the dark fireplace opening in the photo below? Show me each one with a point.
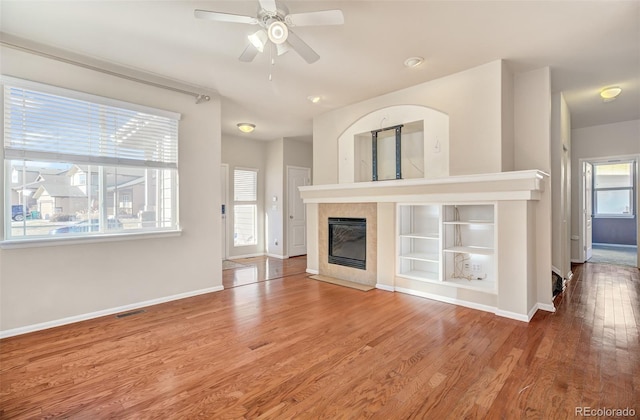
(348, 242)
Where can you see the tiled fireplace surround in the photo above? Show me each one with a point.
(366, 211)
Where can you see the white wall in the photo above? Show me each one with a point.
(58, 283)
(595, 142)
(560, 185)
(246, 153)
(532, 150)
(472, 99)
(271, 159)
(274, 188)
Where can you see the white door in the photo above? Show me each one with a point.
(588, 210)
(297, 217)
(224, 185)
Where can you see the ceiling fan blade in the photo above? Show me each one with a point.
(249, 53)
(269, 5)
(324, 17)
(224, 17)
(302, 48)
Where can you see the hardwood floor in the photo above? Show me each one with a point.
(258, 269)
(298, 348)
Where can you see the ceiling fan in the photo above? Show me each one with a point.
(275, 23)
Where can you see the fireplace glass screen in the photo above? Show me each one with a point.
(348, 242)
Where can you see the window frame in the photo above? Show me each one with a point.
(632, 190)
(253, 203)
(170, 180)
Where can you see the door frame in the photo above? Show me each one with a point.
(225, 223)
(605, 159)
(288, 220)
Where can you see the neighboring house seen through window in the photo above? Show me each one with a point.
(86, 165)
(245, 207)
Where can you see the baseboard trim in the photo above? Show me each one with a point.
(573, 260)
(312, 271)
(237, 257)
(84, 317)
(281, 257)
(515, 315)
(445, 299)
(385, 287)
(556, 270)
(545, 307)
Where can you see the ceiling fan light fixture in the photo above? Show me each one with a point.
(246, 127)
(611, 93)
(313, 99)
(281, 49)
(278, 32)
(258, 39)
(412, 62)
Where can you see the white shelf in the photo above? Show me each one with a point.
(419, 275)
(421, 235)
(479, 250)
(421, 257)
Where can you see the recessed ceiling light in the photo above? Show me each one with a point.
(246, 127)
(314, 98)
(610, 93)
(413, 62)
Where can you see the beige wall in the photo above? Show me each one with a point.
(472, 99)
(46, 284)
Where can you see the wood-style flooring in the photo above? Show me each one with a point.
(293, 347)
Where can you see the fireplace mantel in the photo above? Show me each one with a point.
(517, 185)
(519, 259)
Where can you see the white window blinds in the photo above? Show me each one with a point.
(245, 185)
(44, 126)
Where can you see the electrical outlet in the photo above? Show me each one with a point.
(466, 266)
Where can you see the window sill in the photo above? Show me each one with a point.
(614, 216)
(76, 240)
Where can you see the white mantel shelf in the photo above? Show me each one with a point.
(516, 185)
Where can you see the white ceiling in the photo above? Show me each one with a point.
(587, 44)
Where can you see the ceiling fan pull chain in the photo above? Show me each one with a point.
(272, 61)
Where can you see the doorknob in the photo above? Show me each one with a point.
(290, 217)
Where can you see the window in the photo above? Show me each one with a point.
(245, 207)
(613, 189)
(86, 165)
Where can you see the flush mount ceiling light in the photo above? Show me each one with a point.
(610, 93)
(413, 62)
(278, 32)
(246, 127)
(313, 99)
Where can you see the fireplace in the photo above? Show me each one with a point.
(348, 242)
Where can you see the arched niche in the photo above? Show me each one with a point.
(422, 122)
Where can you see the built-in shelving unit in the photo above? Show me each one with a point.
(468, 250)
(419, 242)
(448, 244)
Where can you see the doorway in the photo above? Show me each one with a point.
(609, 222)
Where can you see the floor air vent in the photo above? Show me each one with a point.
(126, 314)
